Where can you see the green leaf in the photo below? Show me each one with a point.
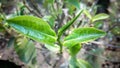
(84, 64)
(82, 35)
(66, 26)
(75, 3)
(78, 63)
(1, 27)
(75, 49)
(50, 1)
(87, 14)
(26, 51)
(47, 3)
(33, 27)
(11, 42)
(53, 48)
(73, 62)
(100, 16)
(50, 20)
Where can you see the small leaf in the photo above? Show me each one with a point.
(50, 20)
(1, 20)
(100, 17)
(50, 1)
(66, 26)
(75, 3)
(75, 49)
(1, 27)
(82, 35)
(26, 50)
(53, 48)
(33, 27)
(78, 63)
(87, 14)
(11, 42)
(47, 3)
(84, 64)
(73, 62)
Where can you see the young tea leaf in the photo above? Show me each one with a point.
(66, 26)
(100, 17)
(82, 35)
(87, 14)
(75, 49)
(34, 28)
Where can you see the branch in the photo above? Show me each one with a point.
(31, 10)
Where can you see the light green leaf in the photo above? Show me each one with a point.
(75, 3)
(87, 14)
(26, 51)
(83, 64)
(66, 26)
(33, 27)
(75, 49)
(100, 16)
(82, 35)
(53, 48)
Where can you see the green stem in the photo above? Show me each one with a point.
(61, 46)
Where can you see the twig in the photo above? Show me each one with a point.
(96, 55)
(34, 4)
(58, 61)
(31, 10)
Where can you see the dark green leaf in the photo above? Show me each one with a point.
(26, 50)
(11, 42)
(73, 62)
(75, 3)
(82, 35)
(33, 27)
(1, 27)
(100, 17)
(75, 49)
(66, 26)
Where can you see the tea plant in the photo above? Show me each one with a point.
(37, 29)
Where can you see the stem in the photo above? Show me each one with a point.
(31, 10)
(61, 46)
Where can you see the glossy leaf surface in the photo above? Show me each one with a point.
(33, 27)
(100, 16)
(82, 35)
